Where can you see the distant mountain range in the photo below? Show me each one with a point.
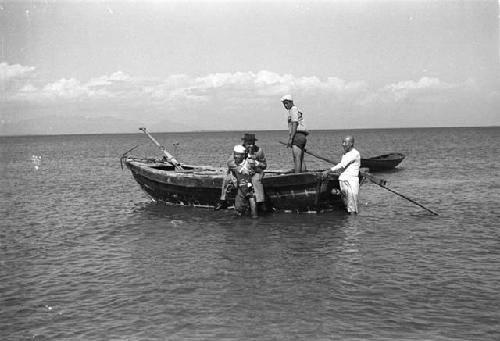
(54, 125)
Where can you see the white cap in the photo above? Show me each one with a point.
(286, 98)
(239, 149)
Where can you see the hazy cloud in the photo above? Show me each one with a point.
(412, 90)
(9, 72)
(13, 78)
(68, 88)
(249, 85)
(181, 89)
(118, 76)
(107, 86)
(28, 88)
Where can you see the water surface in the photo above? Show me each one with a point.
(86, 255)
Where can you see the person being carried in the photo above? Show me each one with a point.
(257, 160)
(349, 174)
(240, 168)
(297, 133)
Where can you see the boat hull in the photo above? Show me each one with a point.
(163, 183)
(383, 162)
(201, 186)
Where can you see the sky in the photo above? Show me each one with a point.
(112, 66)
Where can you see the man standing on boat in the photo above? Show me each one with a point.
(297, 133)
(349, 174)
(257, 162)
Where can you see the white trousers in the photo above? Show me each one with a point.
(350, 190)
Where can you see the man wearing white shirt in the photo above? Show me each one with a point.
(297, 133)
(349, 174)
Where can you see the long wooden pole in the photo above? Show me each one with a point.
(381, 182)
(170, 157)
(405, 197)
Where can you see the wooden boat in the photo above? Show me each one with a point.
(382, 162)
(201, 186)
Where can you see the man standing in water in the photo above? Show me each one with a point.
(349, 174)
(297, 133)
(256, 160)
(241, 168)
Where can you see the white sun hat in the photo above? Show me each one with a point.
(239, 149)
(286, 98)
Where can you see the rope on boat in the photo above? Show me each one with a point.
(124, 155)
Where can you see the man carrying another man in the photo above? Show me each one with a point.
(349, 174)
(252, 158)
(297, 133)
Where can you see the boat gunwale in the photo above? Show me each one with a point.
(209, 171)
(386, 157)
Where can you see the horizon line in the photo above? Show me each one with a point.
(255, 130)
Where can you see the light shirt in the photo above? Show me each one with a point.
(246, 167)
(294, 115)
(350, 163)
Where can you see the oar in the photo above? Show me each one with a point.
(380, 182)
(169, 156)
(405, 197)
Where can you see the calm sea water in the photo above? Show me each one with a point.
(86, 255)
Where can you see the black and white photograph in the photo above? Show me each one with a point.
(250, 170)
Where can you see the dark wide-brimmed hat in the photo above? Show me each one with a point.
(249, 138)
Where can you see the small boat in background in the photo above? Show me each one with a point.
(383, 162)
